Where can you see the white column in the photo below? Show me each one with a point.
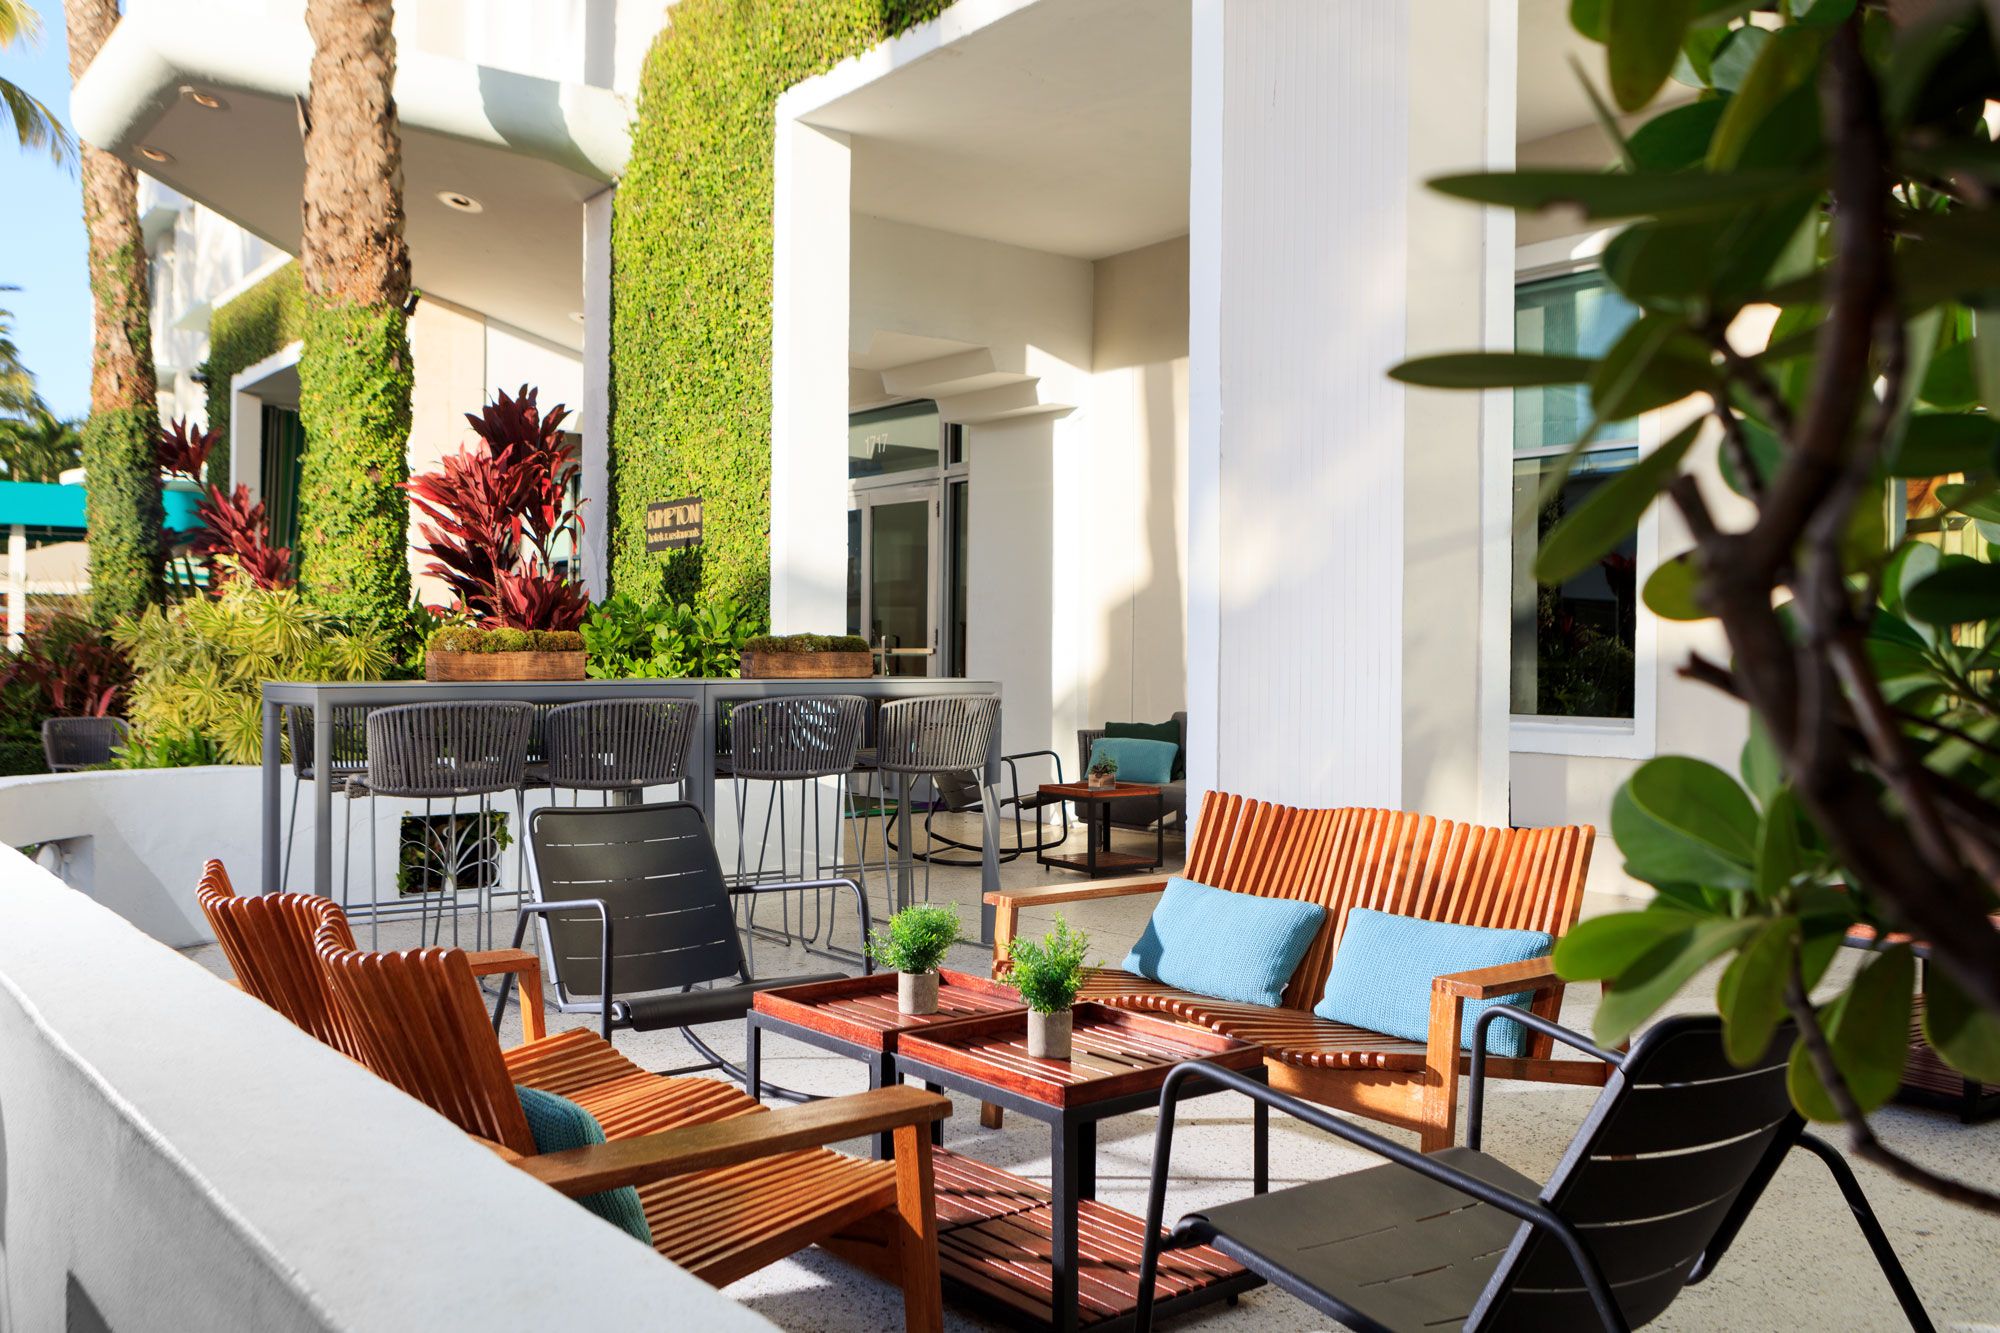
(1298, 246)
(17, 586)
(595, 405)
(809, 381)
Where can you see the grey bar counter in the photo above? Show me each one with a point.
(712, 696)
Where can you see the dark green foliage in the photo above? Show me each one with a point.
(1049, 972)
(354, 400)
(919, 936)
(124, 511)
(806, 643)
(628, 637)
(691, 288)
(472, 639)
(260, 322)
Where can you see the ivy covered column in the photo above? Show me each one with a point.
(354, 369)
(127, 565)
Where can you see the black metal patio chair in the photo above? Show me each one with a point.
(642, 887)
(1653, 1189)
(73, 743)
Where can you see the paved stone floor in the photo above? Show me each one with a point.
(1800, 1262)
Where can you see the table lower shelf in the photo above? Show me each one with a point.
(1106, 861)
(994, 1245)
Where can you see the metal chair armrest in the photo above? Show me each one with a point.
(808, 885)
(596, 905)
(1476, 1092)
(1532, 1211)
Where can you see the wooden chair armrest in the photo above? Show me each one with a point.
(528, 969)
(1007, 904)
(1490, 983)
(745, 1138)
(500, 1150)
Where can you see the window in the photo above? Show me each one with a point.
(1574, 650)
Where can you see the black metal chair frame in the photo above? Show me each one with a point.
(1535, 1213)
(615, 1014)
(71, 744)
(1015, 801)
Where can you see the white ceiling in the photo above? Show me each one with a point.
(1063, 128)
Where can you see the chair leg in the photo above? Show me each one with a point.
(1871, 1228)
(374, 885)
(291, 834)
(916, 1231)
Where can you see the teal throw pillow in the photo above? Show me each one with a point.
(1381, 977)
(1150, 762)
(1168, 731)
(1233, 946)
(559, 1124)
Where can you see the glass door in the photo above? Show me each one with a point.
(893, 553)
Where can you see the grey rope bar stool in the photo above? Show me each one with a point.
(444, 751)
(793, 742)
(72, 743)
(930, 738)
(617, 746)
(349, 748)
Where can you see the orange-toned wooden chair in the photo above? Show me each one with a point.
(1391, 861)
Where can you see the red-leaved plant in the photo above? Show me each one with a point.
(495, 511)
(235, 536)
(78, 670)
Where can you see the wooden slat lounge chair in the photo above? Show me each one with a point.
(1390, 861)
(1656, 1184)
(728, 1186)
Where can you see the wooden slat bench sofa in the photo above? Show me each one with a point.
(1390, 861)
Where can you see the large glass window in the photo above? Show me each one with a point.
(1573, 642)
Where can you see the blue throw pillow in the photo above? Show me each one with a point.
(1381, 977)
(559, 1124)
(1233, 946)
(1150, 762)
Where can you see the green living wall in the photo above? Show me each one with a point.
(256, 323)
(691, 278)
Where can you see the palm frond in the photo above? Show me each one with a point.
(36, 126)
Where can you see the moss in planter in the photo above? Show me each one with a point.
(471, 639)
(806, 643)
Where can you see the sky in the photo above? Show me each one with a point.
(41, 233)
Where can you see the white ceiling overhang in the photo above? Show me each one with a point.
(529, 150)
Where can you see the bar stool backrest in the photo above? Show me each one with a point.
(269, 942)
(447, 749)
(70, 743)
(655, 870)
(809, 736)
(618, 744)
(943, 734)
(350, 739)
(1671, 1159)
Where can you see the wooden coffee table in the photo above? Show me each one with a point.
(1094, 803)
(857, 1017)
(1058, 1258)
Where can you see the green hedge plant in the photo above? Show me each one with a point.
(257, 323)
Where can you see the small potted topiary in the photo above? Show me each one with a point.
(1103, 775)
(1049, 972)
(918, 939)
(810, 656)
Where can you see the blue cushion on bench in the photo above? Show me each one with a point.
(1381, 977)
(1233, 946)
(559, 1124)
(1150, 762)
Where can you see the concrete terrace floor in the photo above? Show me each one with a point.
(1800, 1262)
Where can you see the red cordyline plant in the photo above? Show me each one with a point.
(495, 511)
(77, 669)
(235, 537)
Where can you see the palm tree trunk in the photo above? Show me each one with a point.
(127, 565)
(355, 370)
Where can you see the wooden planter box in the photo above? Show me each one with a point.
(807, 666)
(446, 665)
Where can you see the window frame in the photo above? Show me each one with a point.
(1591, 737)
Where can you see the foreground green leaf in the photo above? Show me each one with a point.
(1493, 370)
(1642, 39)
(1751, 995)
(1962, 590)
(1638, 992)
(1967, 1036)
(1868, 1029)
(1670, 590)
(1612, 195)
(1597, 525)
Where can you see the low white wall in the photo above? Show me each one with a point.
(174, 1155)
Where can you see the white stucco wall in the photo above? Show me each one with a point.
(175, 1155)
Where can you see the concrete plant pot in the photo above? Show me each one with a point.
(917, 992)
(1048, 1034)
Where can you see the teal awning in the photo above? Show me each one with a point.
(53, 509)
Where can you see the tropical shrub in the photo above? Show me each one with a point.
(202, 662)
(918, 938)
(1050, 971)
(67, 667)
(626, 637)
(1836, 165)
(234, 540)
(495, 513)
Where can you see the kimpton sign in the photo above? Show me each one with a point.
(673, 524)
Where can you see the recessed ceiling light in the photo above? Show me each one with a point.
(576, 315)
(202, 99)
(155, 154)
(464, 203)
